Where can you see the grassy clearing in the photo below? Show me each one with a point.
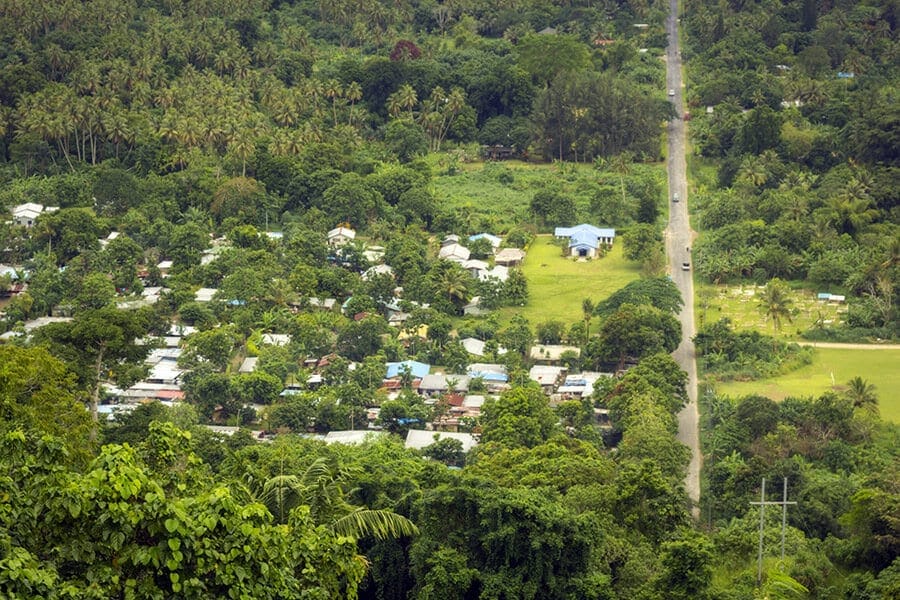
(740, 303)
(878, 367)
(496, 195)
(557, 285)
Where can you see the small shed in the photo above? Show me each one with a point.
(474, 308)
(510, 257)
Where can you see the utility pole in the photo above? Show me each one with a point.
(762, 511)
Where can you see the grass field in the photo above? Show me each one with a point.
(879, 367)
(557, 285)
(496, 195)
(740, 303)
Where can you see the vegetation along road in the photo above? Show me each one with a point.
(678, 242)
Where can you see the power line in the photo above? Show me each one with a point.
(762, 512)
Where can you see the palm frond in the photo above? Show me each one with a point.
(380, 524)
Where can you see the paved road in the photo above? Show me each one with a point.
(844, 346)
(678, 239)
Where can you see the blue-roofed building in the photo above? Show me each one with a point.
(488, 372)
(585, 239)
(417, 369)
(493, 239)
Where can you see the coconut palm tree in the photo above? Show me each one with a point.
(862, 394)
(775, 303)
(454, 283)
(353, 94)
(322, 487)
(587, 311)
(334, 91)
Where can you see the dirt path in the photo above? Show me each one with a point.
(678, 238)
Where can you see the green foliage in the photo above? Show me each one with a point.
(660, 292)
(446, 450)
(728, 354)
(635, 331)
(520, 417)
(640, 241)
(686, 566)
(153, 541)
(38, 395)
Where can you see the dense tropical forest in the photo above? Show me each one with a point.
(233, 232)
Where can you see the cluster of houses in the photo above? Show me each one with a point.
(458, 398)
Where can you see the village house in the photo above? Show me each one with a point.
(474, 308)
(551, 354)
(454, 252)
(547, 376)
(492, 239)
(164, 267)
(25, 215)
(415, 369)
(580, 385)
(249, 365)
(585, 240)
(476, 347)
(509, 257)
(341, 236)
(493, 375)
(439, 383)
(352, 436)
(419, 439)
(276, 339)
(205, 294)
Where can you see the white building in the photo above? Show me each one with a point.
(25, 214)
(341, 236)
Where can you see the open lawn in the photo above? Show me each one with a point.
(878, 367)
(740, 303)
(557, 285)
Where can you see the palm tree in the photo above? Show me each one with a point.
(407, 97)
(620, 164)
(893, 255)
(334, 91)
(454, 284)
(862, 394)
(753, 171)
(322, 488)
(353, 94)
(776, 303)
(587, 310)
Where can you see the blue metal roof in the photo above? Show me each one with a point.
(600, 232)
(583, 238)
(489, 376)
(416, 369)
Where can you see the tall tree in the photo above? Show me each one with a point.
(100, 344)
(776, 303)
